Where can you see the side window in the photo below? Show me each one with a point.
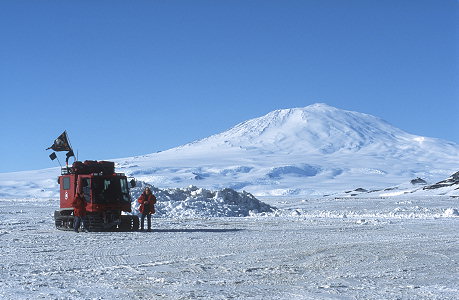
(66, 183)
(125, 190)
(87, 189)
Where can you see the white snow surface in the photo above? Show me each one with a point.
(309, 248)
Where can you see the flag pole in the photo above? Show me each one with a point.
(59, 161)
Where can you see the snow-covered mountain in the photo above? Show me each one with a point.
(313, 150)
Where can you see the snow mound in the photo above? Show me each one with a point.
(194, 202)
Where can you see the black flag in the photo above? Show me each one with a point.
(61, 143)
(53, 156)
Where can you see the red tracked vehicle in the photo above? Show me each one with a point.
(106, 194)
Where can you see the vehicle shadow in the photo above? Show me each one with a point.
(208, 230)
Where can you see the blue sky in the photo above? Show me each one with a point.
(127, 78)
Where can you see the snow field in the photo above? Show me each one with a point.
(296, 252)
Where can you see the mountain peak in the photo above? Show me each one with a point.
(320, 106)
(312, 107)
(317, 128)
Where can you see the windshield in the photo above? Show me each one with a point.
(110, 190)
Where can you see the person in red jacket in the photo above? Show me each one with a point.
(79, 211)
(147, 207)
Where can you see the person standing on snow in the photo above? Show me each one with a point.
(147, 207)
(79, 211)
